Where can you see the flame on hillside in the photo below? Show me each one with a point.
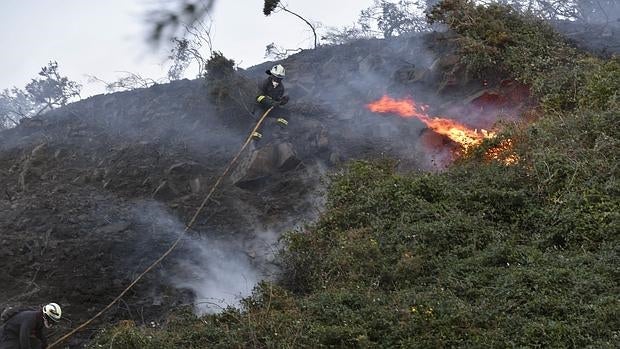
(408, 108)
(503, 152)
(462, 135)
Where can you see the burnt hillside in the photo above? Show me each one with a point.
(93, 192)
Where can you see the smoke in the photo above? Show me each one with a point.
(218, 270)
(424, 67)
(220, 273)
(348, 79)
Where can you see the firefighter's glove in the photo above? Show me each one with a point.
(257, 136)
(282, 122)
(265, 101)
(284, 100)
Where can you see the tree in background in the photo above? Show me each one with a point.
(383, 19)
(48, 92)
(15, 104)
(343, 35)
(52, 90)
(394, 18)
(586, 11)
(271, 6)
(194, 47)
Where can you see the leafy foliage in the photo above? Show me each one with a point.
(48, 92)
(339, 36)
(394, 18)
(270, 6)
(15, 104)
(225, 86)
(52, 90)
(219, 67)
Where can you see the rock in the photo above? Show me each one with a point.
(286, 159)
(259, 165)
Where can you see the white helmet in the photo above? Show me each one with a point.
(277, 71)
(52, 311)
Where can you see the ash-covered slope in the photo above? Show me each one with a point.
(92, 193)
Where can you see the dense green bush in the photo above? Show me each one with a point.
(220, 77)
(482, 255)
(497, 40)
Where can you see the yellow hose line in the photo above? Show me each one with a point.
(174, 244)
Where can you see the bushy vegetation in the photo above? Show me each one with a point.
(51, 90)
(496, 40)
(482, 255)
(219, 73)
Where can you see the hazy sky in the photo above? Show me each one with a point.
(103, 38)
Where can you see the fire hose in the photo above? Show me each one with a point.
(175, 243)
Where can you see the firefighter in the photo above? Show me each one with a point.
(271, 94)
(27, 329)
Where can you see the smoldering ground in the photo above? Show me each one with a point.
(217, 270)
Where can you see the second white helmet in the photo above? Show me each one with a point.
(278, 71)
(52, 311)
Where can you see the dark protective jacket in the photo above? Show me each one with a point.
(267, 89)
(19, 329)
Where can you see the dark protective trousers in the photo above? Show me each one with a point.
(270, 128)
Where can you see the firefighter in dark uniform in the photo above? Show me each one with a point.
(27, 329)
(271, 94)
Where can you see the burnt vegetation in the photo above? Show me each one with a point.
(483, 254)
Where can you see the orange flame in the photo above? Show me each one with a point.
(503, 152)
(408, 108)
